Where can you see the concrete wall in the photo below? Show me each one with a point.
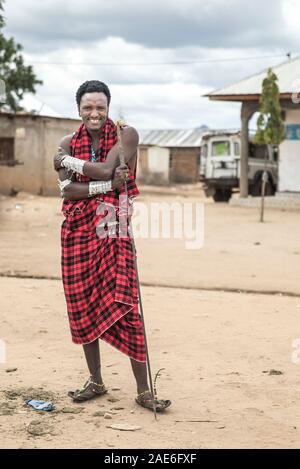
(184, 165)
(142, 164)
(153, 165)
(158, 165)
(289, 158)
(36, 140)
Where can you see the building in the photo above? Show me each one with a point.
(28, 143)
(169, 156)
(248, 92)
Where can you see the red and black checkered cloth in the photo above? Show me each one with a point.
(98, 273)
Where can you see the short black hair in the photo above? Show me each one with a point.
(92, 86)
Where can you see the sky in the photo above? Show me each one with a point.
(158, 57)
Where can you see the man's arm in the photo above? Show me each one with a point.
(81, 190)
(105, 170)
(130, 140)
(73, 190)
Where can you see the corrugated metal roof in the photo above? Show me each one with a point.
(31, 104)
(288, 74)
(172, 138)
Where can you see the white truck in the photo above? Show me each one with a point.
(220, 165)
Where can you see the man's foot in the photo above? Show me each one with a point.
(145, 399)
(89, 391)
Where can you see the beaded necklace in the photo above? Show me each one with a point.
(94, 156)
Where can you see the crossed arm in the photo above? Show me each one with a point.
(109, 169)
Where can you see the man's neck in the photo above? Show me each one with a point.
(94, 134)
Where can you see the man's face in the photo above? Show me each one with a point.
(93, 110)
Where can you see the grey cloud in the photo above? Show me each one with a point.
(50, 24)
(70, 31)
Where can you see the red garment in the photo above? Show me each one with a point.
(99, 276)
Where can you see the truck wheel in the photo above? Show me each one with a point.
(255, 190)
(222, 195)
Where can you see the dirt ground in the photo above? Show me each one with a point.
(221, 321)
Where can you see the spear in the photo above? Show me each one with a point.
(122, 162)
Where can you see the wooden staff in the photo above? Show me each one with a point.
(122, 162)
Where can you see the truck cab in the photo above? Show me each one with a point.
(220, 165)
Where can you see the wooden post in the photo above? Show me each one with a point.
(247, 111)
(264, 180)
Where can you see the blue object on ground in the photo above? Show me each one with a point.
(40, 405)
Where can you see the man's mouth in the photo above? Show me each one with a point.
(95, 121)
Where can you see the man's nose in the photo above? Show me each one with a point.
(95, 113)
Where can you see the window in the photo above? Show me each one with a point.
(236, 149)
(258, 151)
(7, 151)
(221, 148)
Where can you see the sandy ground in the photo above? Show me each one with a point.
(213, 324)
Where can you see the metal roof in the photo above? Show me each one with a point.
(288, 74)
(221, 133)
(172, 138)
(33, 105)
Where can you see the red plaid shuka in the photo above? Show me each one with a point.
(98, 272)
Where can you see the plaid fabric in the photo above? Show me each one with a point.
(98, 271)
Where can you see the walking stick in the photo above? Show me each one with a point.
(122, 161)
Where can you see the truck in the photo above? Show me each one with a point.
(220, 165)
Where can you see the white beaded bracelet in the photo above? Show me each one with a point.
(74, 164)
(62, 185)
(99, 187)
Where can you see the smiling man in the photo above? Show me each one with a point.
(99, 277)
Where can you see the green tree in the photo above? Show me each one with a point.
(2, 22)
(270, 126)
(17, 77)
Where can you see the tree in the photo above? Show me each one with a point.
(2, 22)
(17, 77)
(270, 126)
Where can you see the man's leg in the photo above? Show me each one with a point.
(145, 398)
(94, 386)
(92, 356)
(140, 373)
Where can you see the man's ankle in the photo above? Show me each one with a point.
(97, 379)
(142, 389)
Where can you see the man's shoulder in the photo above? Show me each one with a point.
(131, 134)
(66, 140)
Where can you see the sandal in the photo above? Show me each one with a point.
(145, 399)
(89, 391)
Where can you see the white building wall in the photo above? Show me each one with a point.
(289, 155)
(158, 162)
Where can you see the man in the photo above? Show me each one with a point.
(98, 271)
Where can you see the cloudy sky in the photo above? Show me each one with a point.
(159, 57)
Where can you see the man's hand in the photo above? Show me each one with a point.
(120, 176)
(61, 153)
